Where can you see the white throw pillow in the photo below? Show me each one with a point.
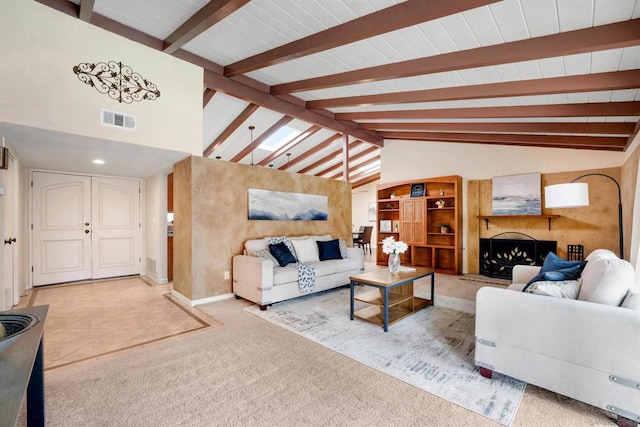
(601, 254)
(306, 250)
(632, 300)
(556, 288)
(606, 281)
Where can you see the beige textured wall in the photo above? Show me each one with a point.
(629, 182)
(219, 224)
(182, 228)
(594, 227)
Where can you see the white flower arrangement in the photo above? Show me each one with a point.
(390, 246)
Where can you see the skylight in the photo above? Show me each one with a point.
(279, 138)
(372, 166)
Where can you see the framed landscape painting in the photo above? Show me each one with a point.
(516, 195)
(284, 206)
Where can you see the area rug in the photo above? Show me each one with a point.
(432, 349)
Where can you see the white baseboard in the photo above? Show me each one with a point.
(193, 303)
(153, 280)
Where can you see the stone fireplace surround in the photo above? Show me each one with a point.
(498, 254)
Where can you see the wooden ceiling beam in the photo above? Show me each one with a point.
(353, 168)
(329, 157)
(618, 80)
(249, 94)
(615, 128)
(207, 96)
(241, 87)
(233, 126)
(556, 141)
(411, 12)
(367, 180)
(86, 10)
(209, 15)
(601, 109)
(593, 39)
(288, 146)
(324, 144)
(352, 158)
(259, 140)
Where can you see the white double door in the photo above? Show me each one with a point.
(84, 227)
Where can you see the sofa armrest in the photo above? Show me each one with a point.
(524, 273)
(253, 278)
(603, 337)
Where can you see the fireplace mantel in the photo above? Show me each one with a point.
(489, 217)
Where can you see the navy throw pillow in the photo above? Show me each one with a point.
(329, 250)
(281, 252)
(556, 269)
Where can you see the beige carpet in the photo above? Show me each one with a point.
(252, 373)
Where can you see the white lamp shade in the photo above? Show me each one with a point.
(573, 195)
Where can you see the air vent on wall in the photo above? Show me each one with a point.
(112, 118)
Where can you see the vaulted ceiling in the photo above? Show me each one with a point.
(326, 82)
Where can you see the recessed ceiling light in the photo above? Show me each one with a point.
(98, 162)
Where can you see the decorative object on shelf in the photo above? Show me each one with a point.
(441, 192)
(385, 225)
(440, 203)
(396, 226)
(576, 195)
(394, 249)
(516, 195)
(117, 80)
(286, 206)
(417, 190)
(444, 228)
(393, 195)
(372, 211)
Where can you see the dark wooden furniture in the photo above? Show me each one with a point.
(394, 298)
(365, 239)
(22, 370)
(416, 221)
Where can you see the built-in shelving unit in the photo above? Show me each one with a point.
(415, 221)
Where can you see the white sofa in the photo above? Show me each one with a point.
(260, 281)
(585, 348)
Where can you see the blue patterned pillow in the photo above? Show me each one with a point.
(281, 252)
(329, 250)
(555, 268)
(343, 248)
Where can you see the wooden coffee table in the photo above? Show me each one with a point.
(393, 299)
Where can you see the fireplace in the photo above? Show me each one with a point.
(501, 252)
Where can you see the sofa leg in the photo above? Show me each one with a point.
(485, 372)
(263, 307)
(626, 422)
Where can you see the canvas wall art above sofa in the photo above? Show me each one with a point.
(274, 269)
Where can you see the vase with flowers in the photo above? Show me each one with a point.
(394, 249)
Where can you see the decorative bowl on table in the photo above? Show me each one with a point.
(14, 325)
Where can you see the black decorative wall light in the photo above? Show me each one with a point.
(117, 80)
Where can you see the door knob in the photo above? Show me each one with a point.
(7, 241)
(13, 239)
(86, 231)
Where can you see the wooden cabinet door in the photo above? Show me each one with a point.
(419, 231)
(406, 221)
(413, 221)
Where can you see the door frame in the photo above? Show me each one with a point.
(29, 266)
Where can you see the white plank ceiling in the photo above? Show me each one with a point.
(254, 27)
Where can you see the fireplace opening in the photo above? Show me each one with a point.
(500, 253)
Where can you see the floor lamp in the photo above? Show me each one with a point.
(576, 194)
